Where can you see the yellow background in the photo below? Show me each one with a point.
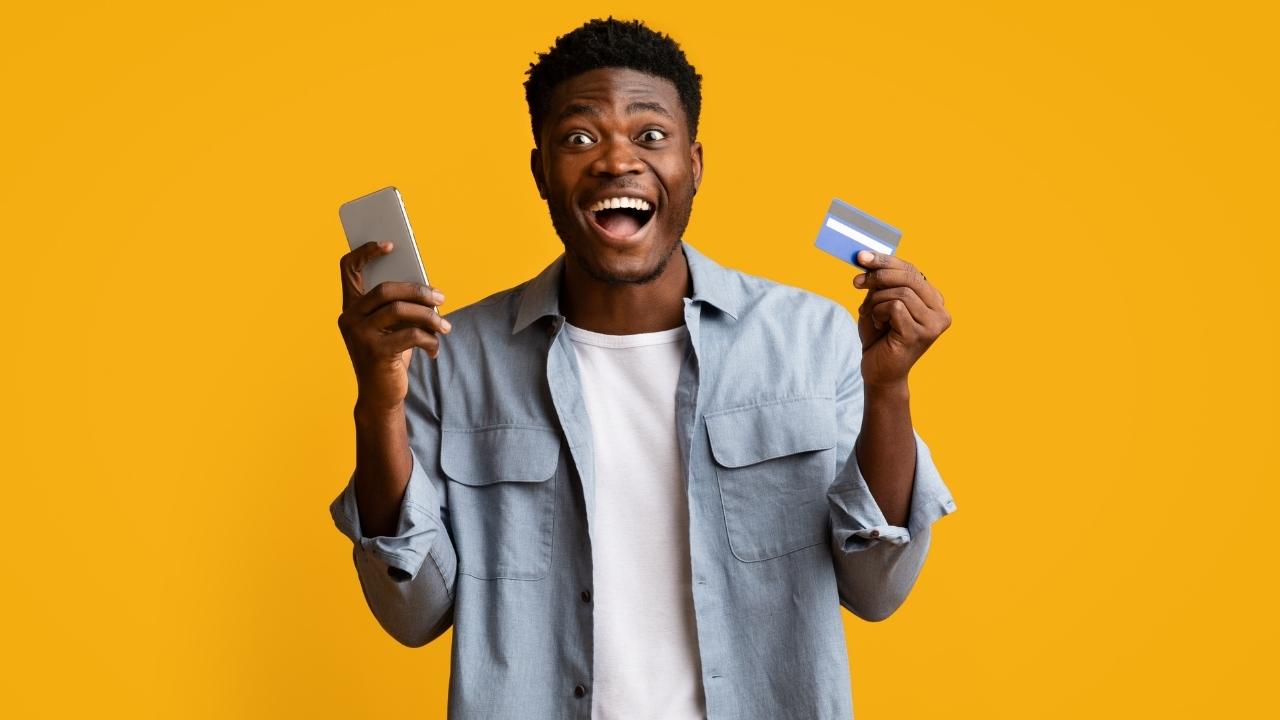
(1092, 187)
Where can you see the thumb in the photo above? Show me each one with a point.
(352, 265)
(368, 251)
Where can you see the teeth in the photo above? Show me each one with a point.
(620, 202)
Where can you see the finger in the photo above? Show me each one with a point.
(894, 313)
(893, 277)
(877, 261)
(868, 328)
(400, 313)
(920, 311)
(873, 321)
(386, 292)
(401, 340)
(886, 278)
(351, 266)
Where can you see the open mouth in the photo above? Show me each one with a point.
(621, 217)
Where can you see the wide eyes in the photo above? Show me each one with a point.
(581, 139)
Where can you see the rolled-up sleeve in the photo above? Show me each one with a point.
(876, 563)
(857, 520)
(408, 578)
(400, 556)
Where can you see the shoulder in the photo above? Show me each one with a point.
(479, 329)
(770, 302)
(490, 314)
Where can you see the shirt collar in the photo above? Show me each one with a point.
(712, 284)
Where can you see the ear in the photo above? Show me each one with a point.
(535, 166)
(695, 158)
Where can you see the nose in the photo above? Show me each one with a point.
(617, 157)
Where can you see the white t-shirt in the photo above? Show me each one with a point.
(646, 644)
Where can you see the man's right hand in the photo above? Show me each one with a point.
(382, 326)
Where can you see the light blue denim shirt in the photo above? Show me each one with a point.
(494, 534)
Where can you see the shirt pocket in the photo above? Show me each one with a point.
(774, 463)
(502, 499)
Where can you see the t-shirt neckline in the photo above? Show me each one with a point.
(588, 337)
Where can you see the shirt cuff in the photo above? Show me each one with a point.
(856, 518)
(416, 529)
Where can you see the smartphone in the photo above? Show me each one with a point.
(378, 217)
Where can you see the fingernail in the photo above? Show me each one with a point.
(438, 296)
(866, 256)
(446, 325)
(385, 244)
(860, 280)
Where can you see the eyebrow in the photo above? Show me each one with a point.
(576, 109)
(639, 107)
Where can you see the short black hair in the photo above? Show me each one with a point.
(611, 43)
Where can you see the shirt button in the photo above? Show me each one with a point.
(586, 596)
(875, 533)
(579, 691)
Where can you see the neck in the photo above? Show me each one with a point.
(629, 308)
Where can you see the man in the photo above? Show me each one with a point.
(631, 484)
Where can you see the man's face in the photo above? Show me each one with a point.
(611, 134)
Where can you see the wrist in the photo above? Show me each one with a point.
(368, 413)
(891, 391)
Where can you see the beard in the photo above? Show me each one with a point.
(563, 222)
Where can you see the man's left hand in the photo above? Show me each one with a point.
(898, 320)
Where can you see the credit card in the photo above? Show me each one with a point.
(848, 230)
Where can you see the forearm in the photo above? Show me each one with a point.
(391, 510)
(886, 449)
(383, 465)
